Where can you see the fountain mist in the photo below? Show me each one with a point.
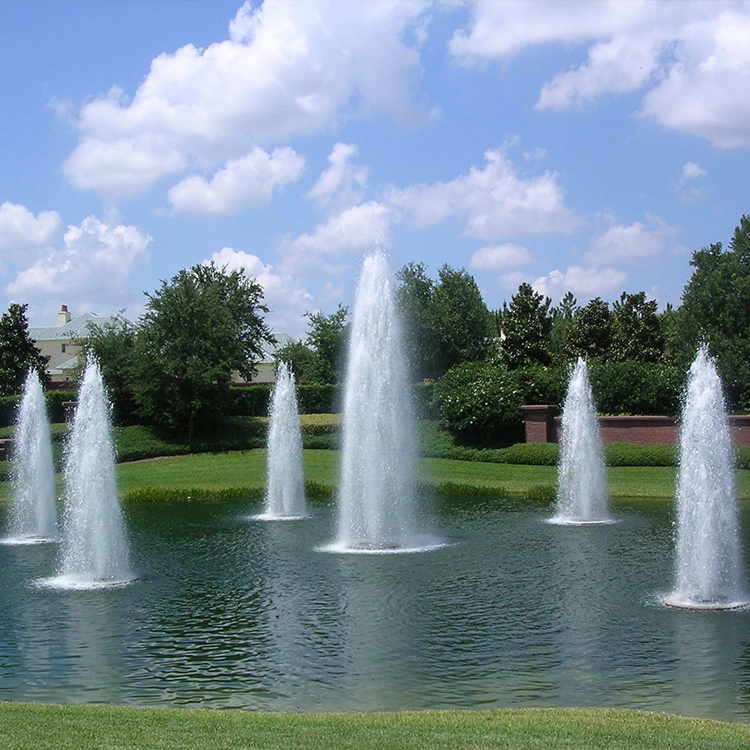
(581, 473)
(94, 549)
(708, 556)
(376, 503)
(33, 510)
(285, 492)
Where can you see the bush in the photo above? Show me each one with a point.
(318, 399)
(249, 401)
(627, 454)
(637, 387)
(542, 385)
(481, 402)
(532, 454)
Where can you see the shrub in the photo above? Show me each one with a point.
(637, 387)
(480, 401)
(532, 454)
(627, 454)
(249, 401)
(542, 385)
(318, 398)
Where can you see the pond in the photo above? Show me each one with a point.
(514, 612)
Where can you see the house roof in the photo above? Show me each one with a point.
(77, 328)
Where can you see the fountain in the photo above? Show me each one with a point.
(377, 490)
(33, 509)
(581, 474)
(708, 555)
(285, 492)
(94, 550)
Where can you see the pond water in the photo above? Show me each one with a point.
(233, 612)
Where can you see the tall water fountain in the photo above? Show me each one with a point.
(32, 515)
(94, 550)
(708, 554)
(285, 486)
(377, 489)
(581, 473)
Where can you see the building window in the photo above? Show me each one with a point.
(63, 348)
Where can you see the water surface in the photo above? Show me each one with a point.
(232, 612)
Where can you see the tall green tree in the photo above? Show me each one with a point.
(464, 329)
(636, 329)
(199, 328)
(716, 309)
(527, 329)
(327, 340)
(563, 317)
(591, 334)
(17, 351)
(113, 345)
(415, 296)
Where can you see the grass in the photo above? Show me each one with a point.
(32, 726)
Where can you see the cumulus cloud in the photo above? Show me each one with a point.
(284, 294)
(286, 69)
(500, 257)
(690, 59)
(494, 202)
(91, 267)
(627, 243)
(347, 233)
(243, 183)
(342, 180)
(21, 232)
(585, 283)
(685, 186)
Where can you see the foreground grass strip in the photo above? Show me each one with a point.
(98, 727)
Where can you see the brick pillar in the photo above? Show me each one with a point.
(539, 423)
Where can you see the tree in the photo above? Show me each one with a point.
(415, 295)
(113, 346)
(563, 317)
(463, 327)
(716, 309)
(527, 329)
(636, 329)
(199, 328)
(591, 334)
(327, 339)
(17, 351)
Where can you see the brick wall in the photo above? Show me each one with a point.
(542, 425)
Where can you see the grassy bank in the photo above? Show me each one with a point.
(30, 726)
(241, 473)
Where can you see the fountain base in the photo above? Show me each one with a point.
(674, 600)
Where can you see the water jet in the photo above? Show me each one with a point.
(94, 549)
(377, 489)
(285, 485)
(581, 473)
(33, 507)
(708, 554)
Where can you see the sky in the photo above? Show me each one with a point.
(589, 146)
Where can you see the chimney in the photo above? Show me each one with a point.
(63, 316)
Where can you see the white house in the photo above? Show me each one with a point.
(57, 343)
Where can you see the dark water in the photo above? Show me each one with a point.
(240, 613)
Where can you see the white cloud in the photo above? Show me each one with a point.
(243, 183)
(627, 243)
(286, 69)
(21, 232)
(685, 188)
(500, 257)
(91, 268)
(350, 232)
(495, 202)
(691, 59)
(585, 283)
(342, 179)
(284, 294)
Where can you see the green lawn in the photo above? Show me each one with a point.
(246, 470)
(34, 726)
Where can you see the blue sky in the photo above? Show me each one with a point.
(582, 146)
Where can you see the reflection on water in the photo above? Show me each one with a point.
(231, 612)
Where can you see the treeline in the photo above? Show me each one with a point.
(472, 367)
